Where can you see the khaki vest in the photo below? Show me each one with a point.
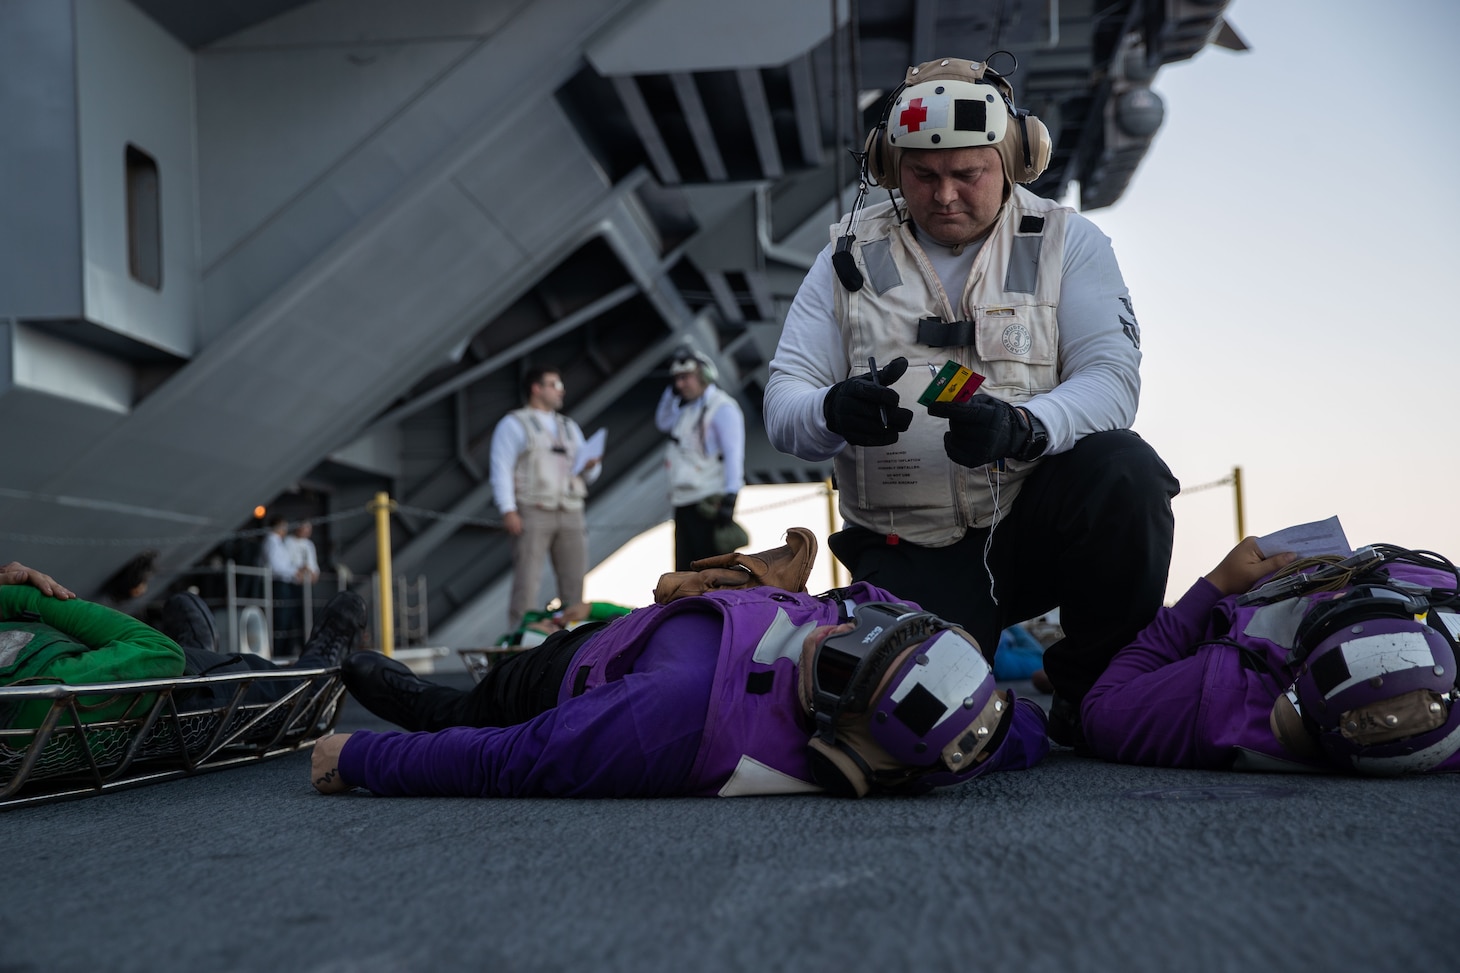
(541, 477)
(912, 488)
(693, 473)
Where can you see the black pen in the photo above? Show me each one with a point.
(881, 409)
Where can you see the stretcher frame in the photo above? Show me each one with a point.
(478, 661)
(67, 756)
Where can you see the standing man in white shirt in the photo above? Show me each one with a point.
(302, 552)
(287, 577)
(706, 457)
(541, 499)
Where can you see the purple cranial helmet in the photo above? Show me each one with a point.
(1375, 686)
(904, 702)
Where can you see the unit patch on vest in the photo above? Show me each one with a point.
(1017, 340)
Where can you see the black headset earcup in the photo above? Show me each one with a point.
(835, 771)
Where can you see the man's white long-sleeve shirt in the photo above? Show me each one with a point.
(1099, 351)
(278, 559)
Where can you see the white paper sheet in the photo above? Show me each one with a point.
(592, 449)
(1307, 540)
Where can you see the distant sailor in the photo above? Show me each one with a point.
(539, 493)
(706, 456)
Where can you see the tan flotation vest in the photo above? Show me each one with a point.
(542, 477)
(1004, 326)
(694, 474)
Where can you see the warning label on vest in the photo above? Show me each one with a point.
(896, 468)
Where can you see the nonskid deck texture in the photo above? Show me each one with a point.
(66, 756)
(1075, 866)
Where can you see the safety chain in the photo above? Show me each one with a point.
(218, 537)
(1224, 481)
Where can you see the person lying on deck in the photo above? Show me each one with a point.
(49, 636)
(715, 690)
(1333, 664)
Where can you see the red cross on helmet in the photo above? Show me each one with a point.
(950, 104)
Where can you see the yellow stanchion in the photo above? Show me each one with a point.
(1237, 489)
(836, 566)
(383, 505)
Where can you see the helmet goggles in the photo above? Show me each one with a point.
(1375, 685)
(904, 701)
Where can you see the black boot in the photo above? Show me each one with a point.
(335, 633)
(391, 691)
(1064, 725)
(187, 620)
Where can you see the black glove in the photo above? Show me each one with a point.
(854, 409)
(984, 430)
(725, 512)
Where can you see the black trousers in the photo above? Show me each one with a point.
(1089, 533)
(201, 662)
(512, 691)
(694, 536)
(287, 638)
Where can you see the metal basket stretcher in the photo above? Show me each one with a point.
(478, 661)
(66, 756)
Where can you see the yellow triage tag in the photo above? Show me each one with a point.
(953, 383)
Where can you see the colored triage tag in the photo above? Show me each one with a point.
(953, 383)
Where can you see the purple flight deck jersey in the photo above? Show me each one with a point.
(696, 697)
(1166, 700)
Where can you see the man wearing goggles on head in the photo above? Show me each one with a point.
(705, 459)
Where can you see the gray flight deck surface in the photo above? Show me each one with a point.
(1075, 865)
